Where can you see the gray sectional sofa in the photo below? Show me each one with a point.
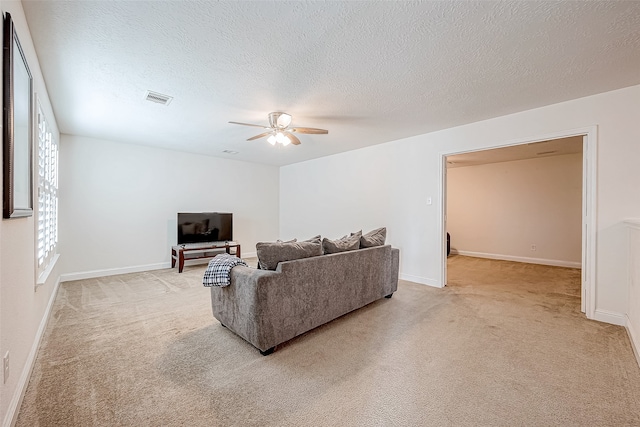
(267, 308)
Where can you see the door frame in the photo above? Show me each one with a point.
(589, 192)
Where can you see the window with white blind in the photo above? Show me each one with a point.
(47, 193)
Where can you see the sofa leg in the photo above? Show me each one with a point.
(388, 296)
(267, 351)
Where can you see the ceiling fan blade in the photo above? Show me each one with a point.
(249, 124)
(309, 130)
(294, 139)
(262, 135)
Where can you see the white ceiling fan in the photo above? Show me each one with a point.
(279, 130)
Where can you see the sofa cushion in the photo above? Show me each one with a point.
(271, 253)
(373, 238)
(346, 243)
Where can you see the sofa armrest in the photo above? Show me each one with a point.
(395, 269)
(239, 306)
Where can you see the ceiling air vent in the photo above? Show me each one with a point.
(158, 98)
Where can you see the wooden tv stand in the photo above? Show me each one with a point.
(199, 251)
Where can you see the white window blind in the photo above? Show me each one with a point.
(47, 192)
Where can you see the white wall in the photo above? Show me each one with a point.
(23, 307)
(118, 203)
(103, 182)
(389, 184)
(500, 210)
(633, 315)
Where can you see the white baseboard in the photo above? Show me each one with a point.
(634, 338)
(136, 268)
(113, 271)
(14, 406)
(610, 317)
(542, 261)
(420, 280)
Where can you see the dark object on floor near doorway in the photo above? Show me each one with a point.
(448, 244)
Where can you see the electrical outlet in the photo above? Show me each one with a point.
(5, 364)
(533, 247)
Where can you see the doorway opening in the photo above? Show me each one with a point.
(523, 214)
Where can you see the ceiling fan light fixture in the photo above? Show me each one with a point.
(282, 139)
(279, 130)
(284, 120)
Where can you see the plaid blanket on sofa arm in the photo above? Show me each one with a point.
(218, 272)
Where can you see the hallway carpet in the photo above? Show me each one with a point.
(505, 344)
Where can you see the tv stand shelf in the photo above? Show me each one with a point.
(199, 251)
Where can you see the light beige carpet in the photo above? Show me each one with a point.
(504, 345)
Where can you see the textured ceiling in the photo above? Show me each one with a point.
(369, 72)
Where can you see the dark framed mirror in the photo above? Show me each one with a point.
(17, 127)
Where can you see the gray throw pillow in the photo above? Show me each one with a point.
(272, 253)
(374, 238)
(346, 243)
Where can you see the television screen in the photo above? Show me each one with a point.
(200, 227)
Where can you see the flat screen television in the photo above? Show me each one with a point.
(200, 227)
